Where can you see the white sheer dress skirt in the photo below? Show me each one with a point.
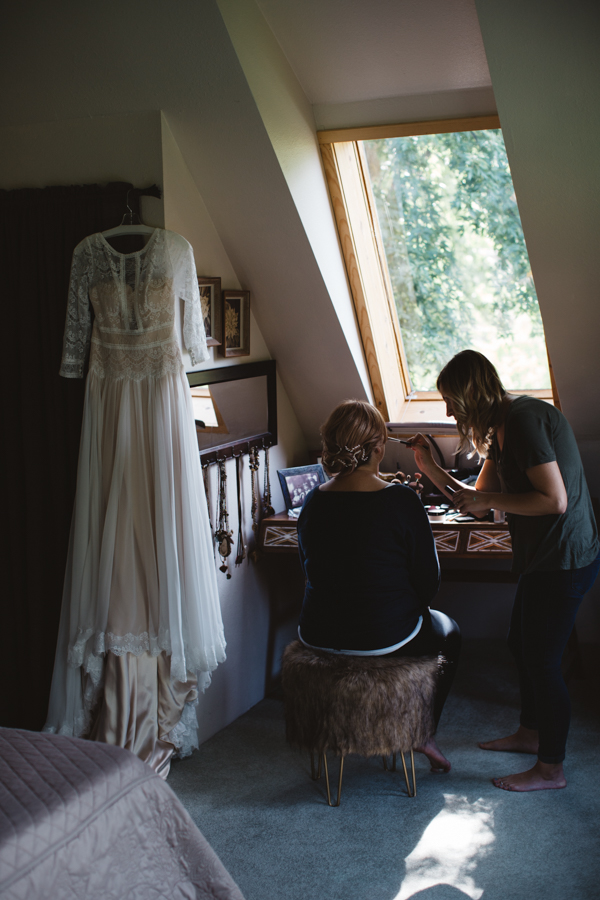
(141, 626)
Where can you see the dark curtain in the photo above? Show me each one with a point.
(41, 417)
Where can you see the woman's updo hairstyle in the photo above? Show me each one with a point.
(473, 385)
(350, 435)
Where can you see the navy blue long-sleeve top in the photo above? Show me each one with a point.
(370, 564)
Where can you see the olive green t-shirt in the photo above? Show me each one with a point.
(535, 433)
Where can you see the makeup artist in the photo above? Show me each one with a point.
(533, 472)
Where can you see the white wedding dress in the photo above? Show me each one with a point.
(141, 626)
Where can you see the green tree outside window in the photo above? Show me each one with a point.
(456, 255)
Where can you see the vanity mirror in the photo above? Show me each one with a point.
(235, 408)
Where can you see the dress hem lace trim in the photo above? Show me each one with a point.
(88, 651)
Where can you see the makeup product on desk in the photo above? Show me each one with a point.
(435, 513)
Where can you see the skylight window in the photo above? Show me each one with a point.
(456, 254)
(435, 257)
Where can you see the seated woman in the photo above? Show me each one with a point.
(370, 561)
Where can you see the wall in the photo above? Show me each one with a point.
(412, 108)
(260, 601)
(186, 213)
(288, 119)
(86, 151)
(545, 66)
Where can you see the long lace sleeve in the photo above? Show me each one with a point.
(194, 334)
(78, 327)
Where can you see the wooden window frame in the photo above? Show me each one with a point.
(366, 263)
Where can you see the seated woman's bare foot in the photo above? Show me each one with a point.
(436, 758)
(524, 740)
(543, 777)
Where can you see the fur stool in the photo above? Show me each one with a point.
(368, 705)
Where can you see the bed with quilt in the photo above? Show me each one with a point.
(82, 821)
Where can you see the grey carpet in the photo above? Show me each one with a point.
(252, 798)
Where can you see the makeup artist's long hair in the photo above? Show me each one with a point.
(473, 385)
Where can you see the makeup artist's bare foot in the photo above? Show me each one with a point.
(543, 777)
(436, 758)
(524, 740)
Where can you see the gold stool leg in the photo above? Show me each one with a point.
(385, 763)
(315, 775)
(405, 773)
(413, 792)
(412, 764)
(339, 795)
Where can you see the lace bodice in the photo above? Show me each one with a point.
(133, 298)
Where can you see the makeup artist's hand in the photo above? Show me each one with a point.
(471, 502)
(422, 450)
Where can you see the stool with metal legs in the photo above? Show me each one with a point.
(369, 706)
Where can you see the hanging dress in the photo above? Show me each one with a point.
(141, 628)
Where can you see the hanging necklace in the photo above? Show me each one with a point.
(241, 550)
(253, 463)
(267, 508)
(223, 536)
(206, 479)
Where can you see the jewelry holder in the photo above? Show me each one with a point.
(236, 416)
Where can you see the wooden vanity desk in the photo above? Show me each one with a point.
(467, 551)
(453, 540)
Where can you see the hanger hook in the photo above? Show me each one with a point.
(128, 207)
(128, 210)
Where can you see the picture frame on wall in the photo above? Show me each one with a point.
(212, 312)
(235, 316)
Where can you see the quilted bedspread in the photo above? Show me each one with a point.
(82, 820)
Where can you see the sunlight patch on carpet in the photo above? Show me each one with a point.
(450, 848)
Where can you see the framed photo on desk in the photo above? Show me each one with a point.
(297, 483)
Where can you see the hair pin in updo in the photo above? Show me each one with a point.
(353, 453)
